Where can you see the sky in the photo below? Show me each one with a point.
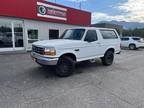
(108, 10)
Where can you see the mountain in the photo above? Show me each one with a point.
(126, 25)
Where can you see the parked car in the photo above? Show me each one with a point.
(76, 45)
(132, 43)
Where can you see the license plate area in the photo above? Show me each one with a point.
(34, 59)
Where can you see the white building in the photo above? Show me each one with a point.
(24, 22)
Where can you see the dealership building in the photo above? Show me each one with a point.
(23, 22)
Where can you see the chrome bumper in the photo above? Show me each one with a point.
(43, 60)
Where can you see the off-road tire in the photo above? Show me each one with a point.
(108, 58)
(65, 67)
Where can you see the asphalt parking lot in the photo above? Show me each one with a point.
(24, 84)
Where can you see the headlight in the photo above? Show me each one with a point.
(50, 51)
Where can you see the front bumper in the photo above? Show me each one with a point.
(43, 60)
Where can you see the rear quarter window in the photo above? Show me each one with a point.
(136, 39)
(108, 34)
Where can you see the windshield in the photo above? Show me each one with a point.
(73, 34)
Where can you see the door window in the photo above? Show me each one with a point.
(91, 36)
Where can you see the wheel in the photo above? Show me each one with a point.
(132, 46)
(108, 58)
(65, 67)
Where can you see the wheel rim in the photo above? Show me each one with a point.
(132, 47)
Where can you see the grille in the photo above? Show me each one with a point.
(38, 50)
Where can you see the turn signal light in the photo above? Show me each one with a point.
(50, 53)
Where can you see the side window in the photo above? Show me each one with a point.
(91, 36)
(124, 39)
(108, 34)
(136, 39)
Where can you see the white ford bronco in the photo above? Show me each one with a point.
(76, 45)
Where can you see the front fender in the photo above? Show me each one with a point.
(62, 52)
(110, 47)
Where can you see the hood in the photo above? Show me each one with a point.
(56, 43)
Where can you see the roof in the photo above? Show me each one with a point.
(98, 28)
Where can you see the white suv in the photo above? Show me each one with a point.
(76, 45)
(132, 42)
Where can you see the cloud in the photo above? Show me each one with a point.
(132, 11)
(97, 16)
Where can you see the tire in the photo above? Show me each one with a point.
(65, 67)
(132, 47)
(108, 58)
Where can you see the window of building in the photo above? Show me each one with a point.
(18, 32)
(91, 36)
(32, 35)
(6, 35)
(108, 34)
(53, 34)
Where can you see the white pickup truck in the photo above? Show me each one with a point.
(76, 45)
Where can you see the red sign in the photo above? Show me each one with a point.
(55, 12)
(51, 11)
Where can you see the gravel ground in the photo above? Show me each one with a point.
(24, 84)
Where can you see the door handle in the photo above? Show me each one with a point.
(99, 43)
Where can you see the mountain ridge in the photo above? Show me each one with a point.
(126, 25)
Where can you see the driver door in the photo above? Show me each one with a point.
(92, 44)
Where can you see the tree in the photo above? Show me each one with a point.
(135, 32)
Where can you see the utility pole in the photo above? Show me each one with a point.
(80, 5)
